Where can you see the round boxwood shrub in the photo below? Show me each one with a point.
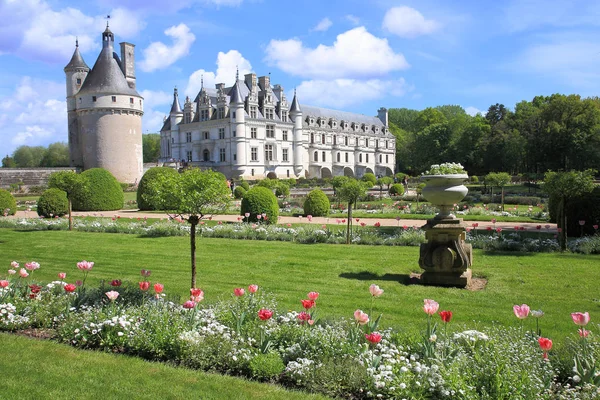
(239, 192)
(244, 184)
(282, 190)
(396, 189)
(370, 178)
(8, 204)
(102, 192)
(151, 174)
(316, 204)
(53, 202)
(259, 200)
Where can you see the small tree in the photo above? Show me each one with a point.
(566, 186)
(499, 179)
(369, 178)
(351, 191)
(194, 194)
(384, 181)
(69, 182)
(337, 182)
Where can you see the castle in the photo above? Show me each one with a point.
(105, 112)
(250, 130)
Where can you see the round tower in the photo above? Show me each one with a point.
(109, 112)
(296, 116)
(76, 71)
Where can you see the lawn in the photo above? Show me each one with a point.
(47, 370)
(556, 283)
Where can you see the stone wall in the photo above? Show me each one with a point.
(28, 176)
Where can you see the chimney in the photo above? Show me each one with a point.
(382, 114)
(250, 80)
(128, 63)
(264, 82)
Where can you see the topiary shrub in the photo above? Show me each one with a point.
(102, 192)
(282, 190)
(244, 184)
(268, 183)
(8, 204)
(396, 189)
(148, 176)
(316, 203)
(369, 178)
(53, 202)
(239, 192)
(259, 200)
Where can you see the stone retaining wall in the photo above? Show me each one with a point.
(27, 176)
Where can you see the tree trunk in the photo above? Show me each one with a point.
(564, 230)
(349, 222)
(502, 198)
(70, 214)
(193, 220)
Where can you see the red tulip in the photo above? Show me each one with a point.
(145, 273)
(303, 316)
(158, 288)
(313, 296)
(189, 304)
(373, 337)
(377, 224)
(35, 288)
(583, 333)
(265, 314)
(116, 282)
(545, 345)
(70, 288)
(446, 316)
(307, 304)
(144, 285)
(595, 226)
(196, 292)
(4, 283)
(238, 292)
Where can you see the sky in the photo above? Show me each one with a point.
(351, 55)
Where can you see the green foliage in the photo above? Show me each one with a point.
(291, 181)
(239, 192)
(352, 190)
(57, 155)
(266, 367)
(151, 147)
(474, 179)
(260, 200)
(586, 208)
(338, 181)
(67, 181)
(243, 183)
(8, 162)
(369, 178)
(100, 192)
(282, 189)
(8, 204)
(316, 204)
(149, 176)
(53, 202)
(268, 183)
(397, 189)
(498, 179)
(29, 157)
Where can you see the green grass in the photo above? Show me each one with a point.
(556, 283)
(40, 369)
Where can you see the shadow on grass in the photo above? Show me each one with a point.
(404, 279)
(507, 253)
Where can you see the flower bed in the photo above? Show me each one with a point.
(244, 334)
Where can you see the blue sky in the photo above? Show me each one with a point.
(351, 55)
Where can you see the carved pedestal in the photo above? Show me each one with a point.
(445, 257)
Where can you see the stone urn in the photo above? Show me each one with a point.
(444, 191)
(446, 258)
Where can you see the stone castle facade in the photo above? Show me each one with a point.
(105, 112)
(251, 130)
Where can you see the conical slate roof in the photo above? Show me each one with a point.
(176, 108)
(106, 76)
(295, 107)
(76, 61)
(234, 93)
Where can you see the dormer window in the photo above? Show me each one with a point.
(114, 99)
(79, 81)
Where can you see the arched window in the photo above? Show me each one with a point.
(206, 155)
(316, 158)
(312, 137)
(338, 157)
(360, 157)
(323, 156)
(322, 139)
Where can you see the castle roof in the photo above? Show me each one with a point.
(107, 76)
(295, 107)
(341, 115)
(76, 60)
(235, 93)
(176, 108)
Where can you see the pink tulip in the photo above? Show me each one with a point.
(62, 275)
(158, 288)
(4, 284)
(14, 265)
(252, 288)
(145, 285)
(361, 317)
(247, 215)
(521, 311)
(23, 273)
(85, 265)
(580, 319)
(303, 316)
(498, 230)
(493, 220)
(79, 282)
(238, 292)
(375, 290)
(581, 222)
(112, 295)
(547, 226)
(189, 304)
(258, 216)
(32, 266)
(313, 296)
(289, 225)
(583, 333)
(430, 306)
(309, 218)
(363, 224)
(12, 272)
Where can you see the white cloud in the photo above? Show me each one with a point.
(340, 93)
(355, 54)
(227, 3)
(353, 19)
(158, 55)
(156, 98)
(30, 135)
(227, 64)
(523, 15)
(408, 23)
(473, 111)
(152, 120)
(323, 25)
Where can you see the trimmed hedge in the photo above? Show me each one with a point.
(397, 189)
(7, 202)
(53, 202)
(316, 204)
(148, 176)
(102, 192)
(259, 200)
(585, 208)
(239, 192)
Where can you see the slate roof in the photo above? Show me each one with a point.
(76, 61)
(341, 115)
(176, 108)
(106, 76)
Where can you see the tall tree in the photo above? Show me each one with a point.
(8, 162)
(29, 157)
(193, 194)
(57, 155)
(151, 147)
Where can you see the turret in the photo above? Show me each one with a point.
(296, 116)
(238, 125)
(176, 116)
